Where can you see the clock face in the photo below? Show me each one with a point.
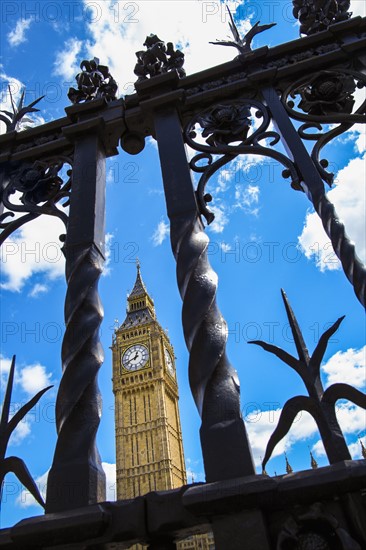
(168, 361)
(135, 357)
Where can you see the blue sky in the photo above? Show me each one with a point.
(265, 237)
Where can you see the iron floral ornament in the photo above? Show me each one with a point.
(12, 463)
(316, 529)
(94, 82)
(226, 130)
(328, 93)
(317, 15)
(225, 123)
(320, 403)
(158, 59)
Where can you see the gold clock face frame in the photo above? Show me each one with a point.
(135, 357)
(169, 361)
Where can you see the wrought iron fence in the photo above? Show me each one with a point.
(311, 81)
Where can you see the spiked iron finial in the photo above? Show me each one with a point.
(12, 463)
(363, 449)
(242, 44)
(319, 400)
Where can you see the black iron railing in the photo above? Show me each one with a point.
(213, 112)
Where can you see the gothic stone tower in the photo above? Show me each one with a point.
(149, 448)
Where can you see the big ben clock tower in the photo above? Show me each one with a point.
(149, 448)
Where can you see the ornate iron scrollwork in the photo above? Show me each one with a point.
(94, 82)
(322, 100)
(317, 15)
(229, 130)
(40, 186)
(325, 97)
(157, 59)
(314, 528)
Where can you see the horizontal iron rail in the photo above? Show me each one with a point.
(181, 512)
(133, 114)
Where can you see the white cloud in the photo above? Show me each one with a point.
(12, 87)
(223, 180)
(4, 365)
(111, 483)
(34, 248)
(22, 431)
(225, 247)
(318, 449)
(17, 35)
(67, 62)
(37, 290)
(15, 87)
(261, 425)
(123, 27)
(354, 449)
(358, 7)
(25, 499)
(33, 378)
(194, 471)
(348, 198)
(247, 199)
(160, 233)
(351, 418)
(221, 218)
(347, 366)
(108, 253)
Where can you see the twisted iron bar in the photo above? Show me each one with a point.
(214, 382)
(78, 405)
(344, 248)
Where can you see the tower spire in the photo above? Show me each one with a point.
(313, 462)
(289, 469)
(139, 298)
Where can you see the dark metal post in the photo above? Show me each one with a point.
(76, 477)
(314, 188)
(214, 382)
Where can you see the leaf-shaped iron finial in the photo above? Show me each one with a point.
(13, 119)
(13, 463)
(363, 449)
(242, 44)
(320, 404)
